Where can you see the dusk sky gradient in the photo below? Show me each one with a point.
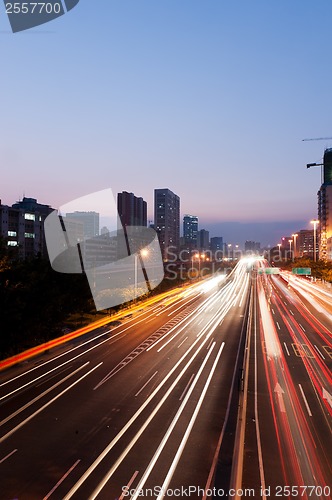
(208, 98)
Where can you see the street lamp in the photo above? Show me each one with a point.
(294, 237)
(290, 246)
(228, 253)
(141, 253)
(236, 251)
(315, 222)
(279, 245)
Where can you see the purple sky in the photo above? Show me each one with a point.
(208, 99)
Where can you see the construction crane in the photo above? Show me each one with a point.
(319, 139)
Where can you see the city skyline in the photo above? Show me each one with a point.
(229, 230)
(211, 101)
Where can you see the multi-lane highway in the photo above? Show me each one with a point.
(222, 387)
(287, 429)
(140, 406)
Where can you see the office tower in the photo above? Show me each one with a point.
(216, 246)
(167, 221)
(22, 226)
(306, 243)
(203, 239)
(324, 228)
(190, 230)
(90, 221)
(132, 210)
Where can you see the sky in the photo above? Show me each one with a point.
(210, 99)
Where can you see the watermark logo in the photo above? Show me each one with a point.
(24, 15)
(121, 262)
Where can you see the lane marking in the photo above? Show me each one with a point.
(308, 352)
(57, 357)
(61, 480)
(183, 341)
(171, 428)
(286, 349)
(298, 350)
(305, 401)
(185, 389)
(319, 351)
(146, 383)
(208, 347)
(291, 312)
(12, 415)
(302, 327)
(9, 455)
(328, 350)
(124, 429)
(127, 487)
(59, 366)
(279, 391)
(257, 426)
(47, 404)
(278, 325)
(189, 428)
(106, 478)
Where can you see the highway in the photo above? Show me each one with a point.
(287, 438)
(223, 384)
(132, 407)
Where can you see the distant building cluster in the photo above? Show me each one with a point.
(252, 246)
(22, 228)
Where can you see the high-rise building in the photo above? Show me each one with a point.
(22, 226)
(324, 229)
(90, 221)
(216, 245)
(190, 230)
(167, 220)
(132, 210)
(203, 239)
(306, 243)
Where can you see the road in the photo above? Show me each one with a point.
(226, 384)
(141, 405)
(287, 438)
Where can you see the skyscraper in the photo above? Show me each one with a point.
(203, 239)
(306, 243)
(324, 228)
(190, 230)
(216, 245)
(167, 220)
(132, 210)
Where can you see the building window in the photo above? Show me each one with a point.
(29, 235)
(12, 243)
(29, 216)
(12, 233)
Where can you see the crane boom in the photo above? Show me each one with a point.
(319, 139)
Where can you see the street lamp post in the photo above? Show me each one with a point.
(295, 249)
(290, 247)
(315, 222)
(279, 245)
(138, 255)
(229, 248)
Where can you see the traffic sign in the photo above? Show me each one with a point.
(302, 270)
(272, 270)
